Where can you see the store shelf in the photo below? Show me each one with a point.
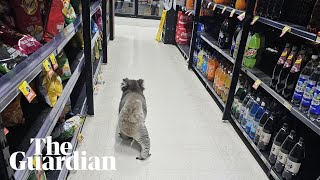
(300, 115)
(32, 66)
(94, 7)
(221, 7)
(94, 39)
(53, 115)
(96, 68)
(214, 44)
(184, 49)
(263, 155)
(188, 11)
(208, 85)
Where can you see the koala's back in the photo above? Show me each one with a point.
(132, 113)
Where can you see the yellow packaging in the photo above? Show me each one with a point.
(51, 88)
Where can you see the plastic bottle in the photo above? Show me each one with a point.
(219, 1)
(303, 79)
(190, 4)
(249, 105)
(225, 34)
(236, 48)
(233, 3)
(217, 77)
(286, 70)
(279, 65)
(278, 140)
(293, 76)
(252, 113)
(221, 80)
(243, 106)
(250, 55)
(296, 156)
(276, 9)
(262, 7)
(314, 23)
(240, 96)
(204, 64)
(314, 111)
(241, 4)
(309, 90)
(212, 67)
(265, 134)
(227, 84)
(195, 57)
(257, 118)
(200, 58)
(262, 121)
(234, 39)
(286, 147)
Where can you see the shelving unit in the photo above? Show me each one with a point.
(184, 49)
(32, 66)
(253, 73)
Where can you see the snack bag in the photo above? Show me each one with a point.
(9, 58)
(28, 17)
(68, 12)
(12, 115)
(67, 129)
(64, 68)
(37, 174)
(50, 88)
(94, 27)
(26, 44)
(54, 20)
(99, 18)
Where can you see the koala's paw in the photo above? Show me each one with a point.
(141, 158)
(124, 136)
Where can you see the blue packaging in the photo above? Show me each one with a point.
(314, 110)
(300, 88)
(307, 96)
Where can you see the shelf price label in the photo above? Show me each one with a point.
(241, 16)
(224, 9)
(6, 131)
(255, 19)
(53, 61)
(80, 137)
(287, 105)
(48, 68)
(209, 4)
(214, 7)
(232, 13)
(285, 30)
(27, 91)
(256, 84)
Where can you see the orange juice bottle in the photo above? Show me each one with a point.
(190, 4)
(221, 81)
(216, 78)
(241, 4)
(219, 1)
(227, 84)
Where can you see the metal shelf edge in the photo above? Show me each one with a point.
(94, 39)
(183, 51)
(94, 7)
(52, 117)
(96, 72)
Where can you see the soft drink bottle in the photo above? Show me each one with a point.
(278, 140)
(257, 118)
(262, 7)
(236, 48)
(309, 90)
(250, 55)
(286, 70)
(293, 76)
(195, 57)
(276, 9)
(265, 134)
(314, 23)
(217, 77)
(241, 4)
(252, 113)
(279, 65)
(225, 34)
(204, 65)
(249, 105)
(296, 156)
(241, 94)
(314, 111)
(234, 39)
(262, 121)
(243, 106)
(303, 79)
(286, 147)
(227, 84)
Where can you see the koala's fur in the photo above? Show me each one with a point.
(132, 115)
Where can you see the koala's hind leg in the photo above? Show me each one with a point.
(144, 141)
(123, 136)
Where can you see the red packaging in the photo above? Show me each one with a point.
(183, 19)
(55, 20)
(184, 36)
(28, 17)
(26, 44)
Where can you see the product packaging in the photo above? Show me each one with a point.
(9, 58)
(12, 115)
(54, 20)
(64, 68)
(50, 88)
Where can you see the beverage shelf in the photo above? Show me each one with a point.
(94, 39)
(184, 49)
(214, 44)
(188, 11)
(53, 115)
(208, 85)
(221, 7)
(263, 155)
(94, 7)
(96, 67)
(300, 115)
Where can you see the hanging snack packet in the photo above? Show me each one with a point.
(12, 115)
(28, 17)
(9, 58)
(64, 68)
(67, 129)
(26, 44)
(68, 12)
(54, 20)
(50, 88)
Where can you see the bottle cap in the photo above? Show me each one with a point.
(263, 104)
(258, 99)
(293, 132)
(301, 139)
(285, 125)
(314, 56)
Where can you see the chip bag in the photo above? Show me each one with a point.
(54, 21)
(26, 44)
(12, 115)
(68, 12)
(9, 58)
(67, 129)
(64, 68)
(28, 17)
(50, 88)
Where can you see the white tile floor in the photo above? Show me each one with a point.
(188, 138)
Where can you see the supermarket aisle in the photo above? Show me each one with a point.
(188, 138)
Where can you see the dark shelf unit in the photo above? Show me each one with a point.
(184, 49)
(253, 73)
(32, 66)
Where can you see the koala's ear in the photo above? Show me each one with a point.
(141, 83)
(124, 84)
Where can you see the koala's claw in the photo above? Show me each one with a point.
(139, 158)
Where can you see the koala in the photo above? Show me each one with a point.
(132, 115)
